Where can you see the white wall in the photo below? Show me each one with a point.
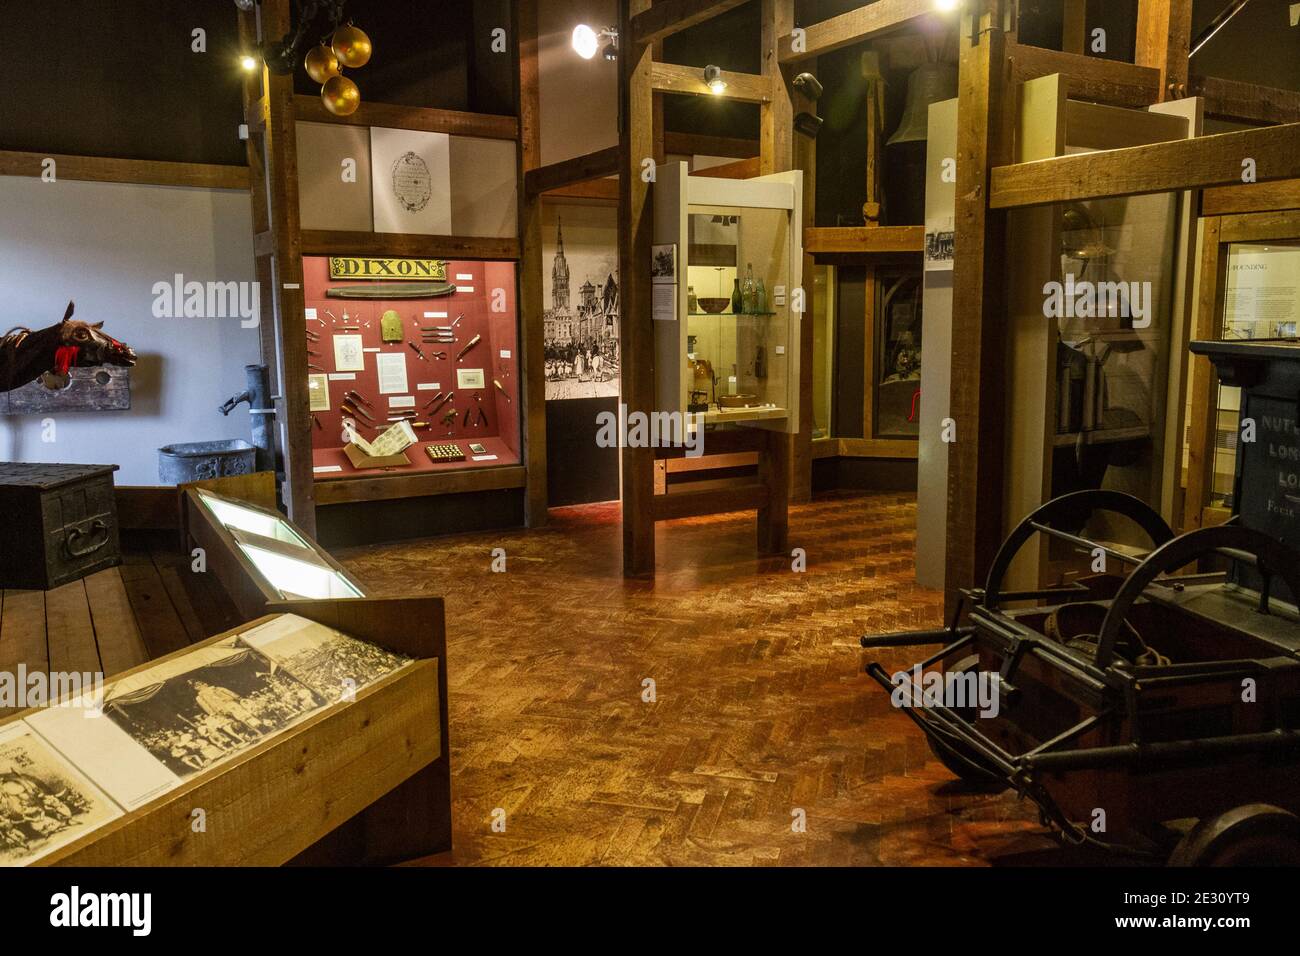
(579, 98)
(104, 245)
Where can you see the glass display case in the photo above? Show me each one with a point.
(728, 297)
(896, 403)
(429, 342)
(279, 559)
(1261, 301)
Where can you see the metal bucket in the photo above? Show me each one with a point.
(200, 461)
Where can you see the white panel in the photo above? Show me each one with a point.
(325, 199)
(484, 187)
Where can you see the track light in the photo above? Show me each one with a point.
(808, 85)
(586, 42)
(713, 79)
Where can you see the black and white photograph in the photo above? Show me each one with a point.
(663, 264)
(581, 289)
(330, 663)
(44, 802)
(231, 700)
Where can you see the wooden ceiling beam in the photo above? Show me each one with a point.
(673, 16)
(570, 172)
(424, 119)
(863, 23)
(1246, 102)
(689, 80)
(1088, 77)
(700, 144)
(1198, 163)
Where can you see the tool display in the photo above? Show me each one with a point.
(502, 389)
(469, 347)
(418, 351)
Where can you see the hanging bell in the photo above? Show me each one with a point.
(321, 63)
(351, 46)
(931, 83)
(340, 95)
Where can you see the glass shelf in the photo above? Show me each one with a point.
(730, 315)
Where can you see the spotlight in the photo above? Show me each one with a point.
(946, 6)
(713, 79)
(248, 63)
(586, 42)
(808, 124)
(808, 85)
(247, 6)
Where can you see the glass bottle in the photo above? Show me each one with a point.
(748, 292)
(692, 301)
(737, 302)
(760, 299)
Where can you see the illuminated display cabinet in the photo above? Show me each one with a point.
(259, 556)
(727, 289)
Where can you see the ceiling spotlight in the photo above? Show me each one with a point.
(946, 6)
(808, 85)
(247, 6)
(713, 79)
(248, 63)
(586, 42)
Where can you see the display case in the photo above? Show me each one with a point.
(259, 556)
(727, 297)
(430, 342)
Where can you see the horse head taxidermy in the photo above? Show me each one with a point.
(52, 353)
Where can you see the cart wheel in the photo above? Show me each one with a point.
(1253, 835)
(966, 764)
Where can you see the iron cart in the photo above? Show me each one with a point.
(1163, 703)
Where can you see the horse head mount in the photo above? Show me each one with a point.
(82, 345)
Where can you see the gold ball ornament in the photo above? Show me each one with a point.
(340, 95)
(351, 46)
(321, 63)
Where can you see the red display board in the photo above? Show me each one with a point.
(349, 357)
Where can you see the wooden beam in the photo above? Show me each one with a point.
(976, 464)
(338, 242)
(857, 25)
(1164, 40)
(454, 122)
(700, 144)
(673, 16)
(425, 485)
(1201, 422)
(1251, 197)
(690, 504)
(740, 169)
(1088, 77)
(863, 240)
(600, 190)
(636, 334)
(1074, 30)
(1246, 102)
(273, 157)
(99, 169)
(1162, 167)
(579, 169)
(532, 328)
(689, 81)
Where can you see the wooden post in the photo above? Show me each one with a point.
(531, 305)
(1164, 39)
(805, 156)
(975, 459)
(273, 169)
(636, 337)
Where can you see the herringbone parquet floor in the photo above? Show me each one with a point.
(761, 713)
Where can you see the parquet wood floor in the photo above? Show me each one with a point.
(761, 708)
